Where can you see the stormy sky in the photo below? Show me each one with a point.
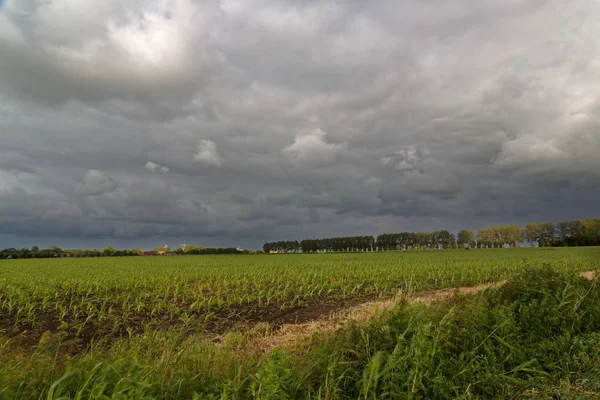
(229, 123)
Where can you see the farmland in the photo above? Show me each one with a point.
(66, 320)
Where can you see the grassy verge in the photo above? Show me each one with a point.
(538, 336)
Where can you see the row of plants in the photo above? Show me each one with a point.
(87, 299)
(535, 337)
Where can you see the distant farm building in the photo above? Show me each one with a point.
(165, 250)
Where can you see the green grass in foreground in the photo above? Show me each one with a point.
(537, 336)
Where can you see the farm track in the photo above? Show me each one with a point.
(291, 335)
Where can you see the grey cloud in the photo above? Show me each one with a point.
(94, 183)
(13, 160)
(292, 119)
(26, 197)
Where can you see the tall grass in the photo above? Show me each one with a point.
(537, 336)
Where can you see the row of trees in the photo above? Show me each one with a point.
(494, 237)
(387, 241)
(565, 233)
(208, 250)
(283, 246)
(54, 252)
(349, 243)
(57, 252)
(416, 240)
(542, 234)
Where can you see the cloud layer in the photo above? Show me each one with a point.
(234, 122)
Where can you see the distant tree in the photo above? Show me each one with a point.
(577, 231)
(591, 230)
(23, 253)
(465, 238)
(532, 233)
(546, 234)
(515, 235)
(485, 238)
(563, 233)
(193, 247)
(444, 240)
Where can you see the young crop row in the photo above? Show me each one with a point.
(123, 296)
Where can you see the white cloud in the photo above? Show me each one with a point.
(386, 160)
(207, 153)
(407, 159)
(94, 183)
(312, 149)
(108, 49)
(150, 166)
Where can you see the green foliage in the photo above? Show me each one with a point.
(538, 334)
(533, 334)
(465, 239)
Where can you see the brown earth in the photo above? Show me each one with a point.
(588, 275)
(48, 328)
(286, 327)
(290, 335)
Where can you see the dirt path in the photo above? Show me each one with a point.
(292, 334)
(588, 274)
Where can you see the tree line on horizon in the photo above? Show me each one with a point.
(57, 252)
(540, 234)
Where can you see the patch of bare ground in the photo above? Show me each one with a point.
(253, 313)
(433, 296)
(588, 275)
(289, 335)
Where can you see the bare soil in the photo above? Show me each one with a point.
(293, 334)
(287, 327)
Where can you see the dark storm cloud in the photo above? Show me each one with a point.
(233, 122)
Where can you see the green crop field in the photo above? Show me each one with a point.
(164, 327)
